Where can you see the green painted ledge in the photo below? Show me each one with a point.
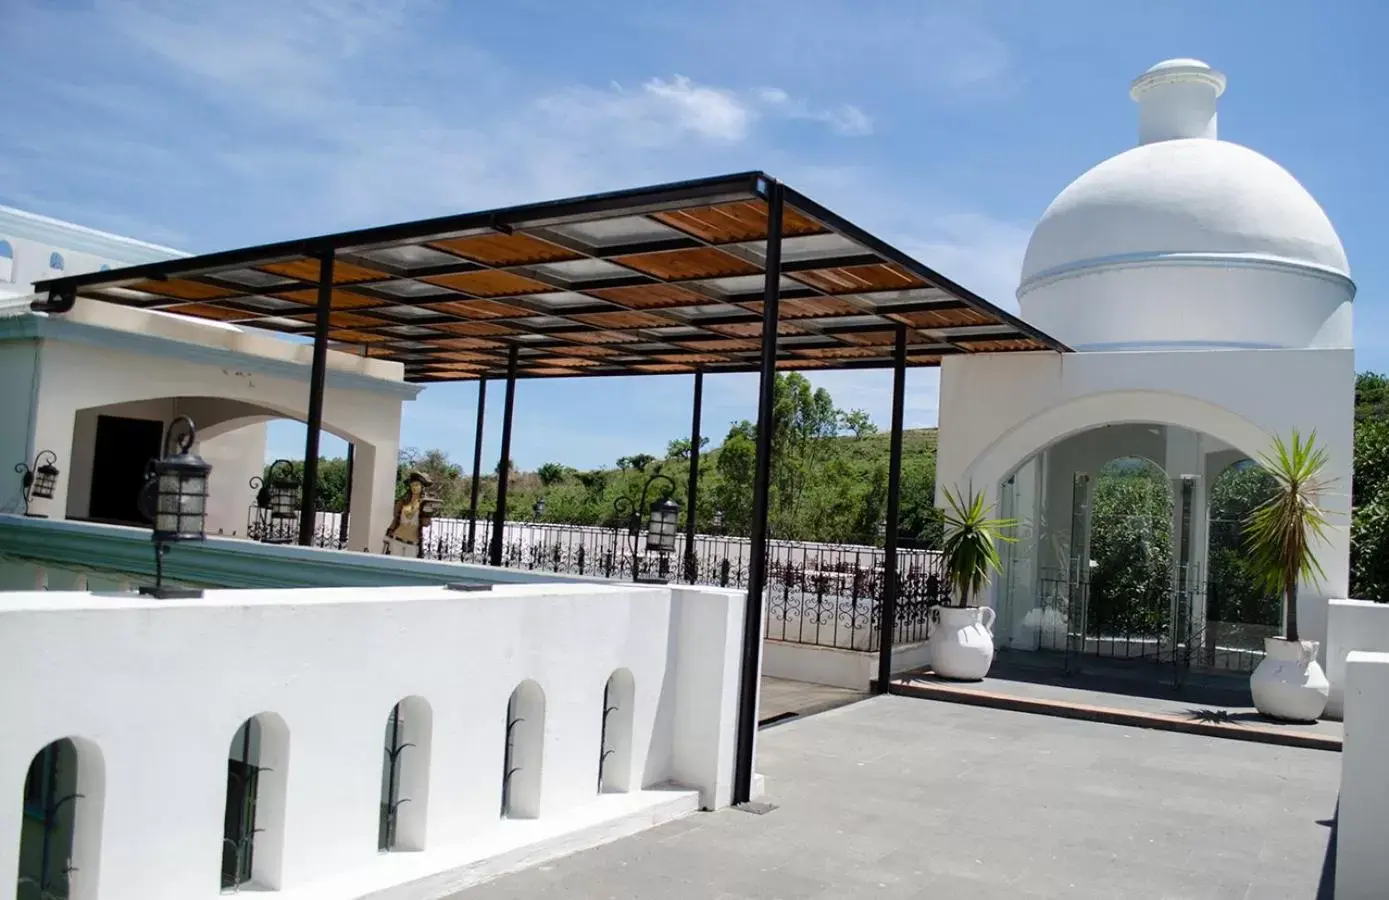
(231, 563)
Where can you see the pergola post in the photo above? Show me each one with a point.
(887, 624)
(761, 487)
(318, 375)
(504, 467)
(477, 464)
(692, 494)
(347, 496)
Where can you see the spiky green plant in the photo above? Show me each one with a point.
(971, 543)
(1280, 532)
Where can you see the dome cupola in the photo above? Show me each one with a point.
(1185, 240)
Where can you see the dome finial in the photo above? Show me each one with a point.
(1177, 99)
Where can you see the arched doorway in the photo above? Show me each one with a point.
(1109, 568)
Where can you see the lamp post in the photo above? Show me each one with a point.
(39, 481)
(662, 520)
(174, 498)
(277, 497)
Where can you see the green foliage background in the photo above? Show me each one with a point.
(829, 483)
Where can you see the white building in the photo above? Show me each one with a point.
(98, 386)
(1210, 301)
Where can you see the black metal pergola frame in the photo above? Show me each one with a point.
(659, 306)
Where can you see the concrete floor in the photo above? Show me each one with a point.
(782, 699)
(899, 797)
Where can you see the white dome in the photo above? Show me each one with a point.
(1189, 195)
(1186, 239)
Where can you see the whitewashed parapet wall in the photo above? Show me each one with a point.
(152, 692)
(1362, 814)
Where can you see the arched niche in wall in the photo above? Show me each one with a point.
(615, 746)
(254, 819)
(523, 761)
(60, 834)
(405, 775)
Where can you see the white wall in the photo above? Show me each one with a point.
(19, 373)
(998, 410)
(153, 692)
(1351, 625)
(1362, 815)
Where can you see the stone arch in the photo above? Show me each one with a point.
(524, 757)
(254, 818)
(60, 837)
(615, 745)
(405, 775)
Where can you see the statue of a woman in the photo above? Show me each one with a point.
(410, 519)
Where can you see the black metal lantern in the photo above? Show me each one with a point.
(175, 500)
(718, 521)
(179, 487)
(662, 525)
(282, 490)
(539, 508)
(39, 480)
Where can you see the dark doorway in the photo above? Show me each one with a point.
(123, 448)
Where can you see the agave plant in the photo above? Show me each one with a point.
(1280, 532)
(971, 543)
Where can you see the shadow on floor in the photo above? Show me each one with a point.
(1326, 887)
(1134, 678)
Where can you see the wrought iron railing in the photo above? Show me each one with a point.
(828, 595)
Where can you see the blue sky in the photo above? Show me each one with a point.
(945, 127)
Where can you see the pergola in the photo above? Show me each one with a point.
(737, 273)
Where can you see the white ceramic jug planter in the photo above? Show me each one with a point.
(1289, 685)
(962, 642)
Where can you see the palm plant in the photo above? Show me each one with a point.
(1280, 532)
(971, 543)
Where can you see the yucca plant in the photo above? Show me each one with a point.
(971, 543)
(1280, 532)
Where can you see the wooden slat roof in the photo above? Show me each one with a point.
(651, 281)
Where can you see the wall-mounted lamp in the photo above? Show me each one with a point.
(39, 480)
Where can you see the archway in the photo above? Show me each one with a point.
(1110, 554)
(1239, 612)
(253, 821)
(60, 834)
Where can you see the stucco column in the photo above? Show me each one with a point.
(373, 496)
(1185, 455)
(54, 420)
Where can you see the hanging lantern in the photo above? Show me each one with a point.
(662, 526)
(45, 476)
(179, 486)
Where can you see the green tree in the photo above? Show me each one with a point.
(1131, 545)
(551, 473)
(856, 422)
(680, 448)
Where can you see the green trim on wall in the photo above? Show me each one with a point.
(231, 563)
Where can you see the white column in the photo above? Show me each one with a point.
(1362, 866)
(373, 495)
(1185, 455)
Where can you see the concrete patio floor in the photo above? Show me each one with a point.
(900, 797)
